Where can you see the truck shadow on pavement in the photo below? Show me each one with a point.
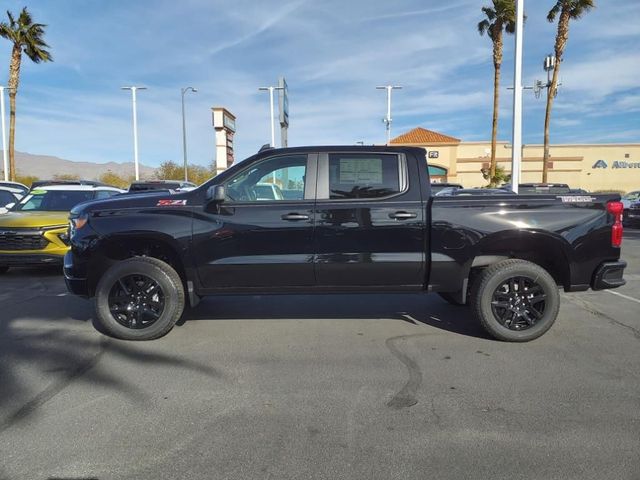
(47, 343)
(418, 309)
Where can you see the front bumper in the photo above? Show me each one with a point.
(74, 278)
(609, 275)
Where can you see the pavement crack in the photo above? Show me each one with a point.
(589, 307)
(54, 389)
(406, 397)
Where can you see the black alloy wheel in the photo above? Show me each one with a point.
(519, 303)
(140, 298)
(515, 300)
(136, 301)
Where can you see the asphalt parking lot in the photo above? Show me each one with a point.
(326, 387)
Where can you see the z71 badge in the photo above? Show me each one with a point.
(171, 203)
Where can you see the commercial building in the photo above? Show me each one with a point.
(594, 167)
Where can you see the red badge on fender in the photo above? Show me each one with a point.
(171, 203)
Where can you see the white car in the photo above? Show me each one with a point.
(19, 187)
(9, 195)
(630, 198)
(268, 191)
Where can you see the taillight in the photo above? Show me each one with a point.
(616, 209)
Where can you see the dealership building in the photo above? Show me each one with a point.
(594, 167)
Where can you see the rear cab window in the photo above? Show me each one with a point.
(349, 176)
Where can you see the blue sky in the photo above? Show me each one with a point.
(333, 54)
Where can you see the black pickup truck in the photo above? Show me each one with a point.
(345, 219)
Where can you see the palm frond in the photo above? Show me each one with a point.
(580, 7)
(483, 27)
(551, 16)
(26, 35)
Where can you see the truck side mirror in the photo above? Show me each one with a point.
(216, 193)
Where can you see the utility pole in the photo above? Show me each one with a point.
(5, 161)
(184, 132)
(387, 120)
(135, 127)
(273, 126)
(516, 151)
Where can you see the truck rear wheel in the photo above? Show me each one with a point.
(4, 269)
(515, 300)
(140, 298)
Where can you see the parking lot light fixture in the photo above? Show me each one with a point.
(273, 127)
(135, 127)
(184, 131)
(387, 120)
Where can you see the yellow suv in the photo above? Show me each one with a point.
(35, 230)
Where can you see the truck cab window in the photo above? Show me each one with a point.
(275, 179)
(363, 176)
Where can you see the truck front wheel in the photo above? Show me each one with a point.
(515, 300)
(140, 298)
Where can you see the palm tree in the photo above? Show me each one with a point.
(27, 38)
(568, 10)
(500, 18)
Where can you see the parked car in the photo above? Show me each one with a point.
(367, 221)
(438, 187)
(540, 188)
(627, 200)
(151, 185)
(35, 231)
(23, 189)
(268, 191)
(472, 191)
(633, 215)
(8, 197)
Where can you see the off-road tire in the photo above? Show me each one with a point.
(164, 275)
(486, 283)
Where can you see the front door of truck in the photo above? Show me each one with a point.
(261, 235)
(370, 225)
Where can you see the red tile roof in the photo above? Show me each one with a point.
(421, 136)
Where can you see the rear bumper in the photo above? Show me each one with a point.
(609, 275)
(75, 279)
(19, 260)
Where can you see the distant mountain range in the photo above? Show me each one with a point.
(46, 167)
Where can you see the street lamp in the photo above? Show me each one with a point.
(184, 131)
(387, 120)
(5, 161)
(516, 152)
(273, 127)
(135, 126)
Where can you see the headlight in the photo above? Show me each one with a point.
(76, 223)
(79, 222)
(64, 237)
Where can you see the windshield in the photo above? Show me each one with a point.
(53, 200)
(633, 196)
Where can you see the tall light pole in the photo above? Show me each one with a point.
(273, 126)
(184, 131)
(516, 151)
(387, 120)
(135, 127)
(5, 161)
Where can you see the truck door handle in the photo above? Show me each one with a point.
(294, 217)
(402, 215)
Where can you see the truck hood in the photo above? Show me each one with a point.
(132, 200)
(33, 219)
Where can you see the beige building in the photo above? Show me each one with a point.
(594, 167)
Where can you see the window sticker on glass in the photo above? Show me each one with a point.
(366, 171)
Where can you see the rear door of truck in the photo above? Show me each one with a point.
(370, 220)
